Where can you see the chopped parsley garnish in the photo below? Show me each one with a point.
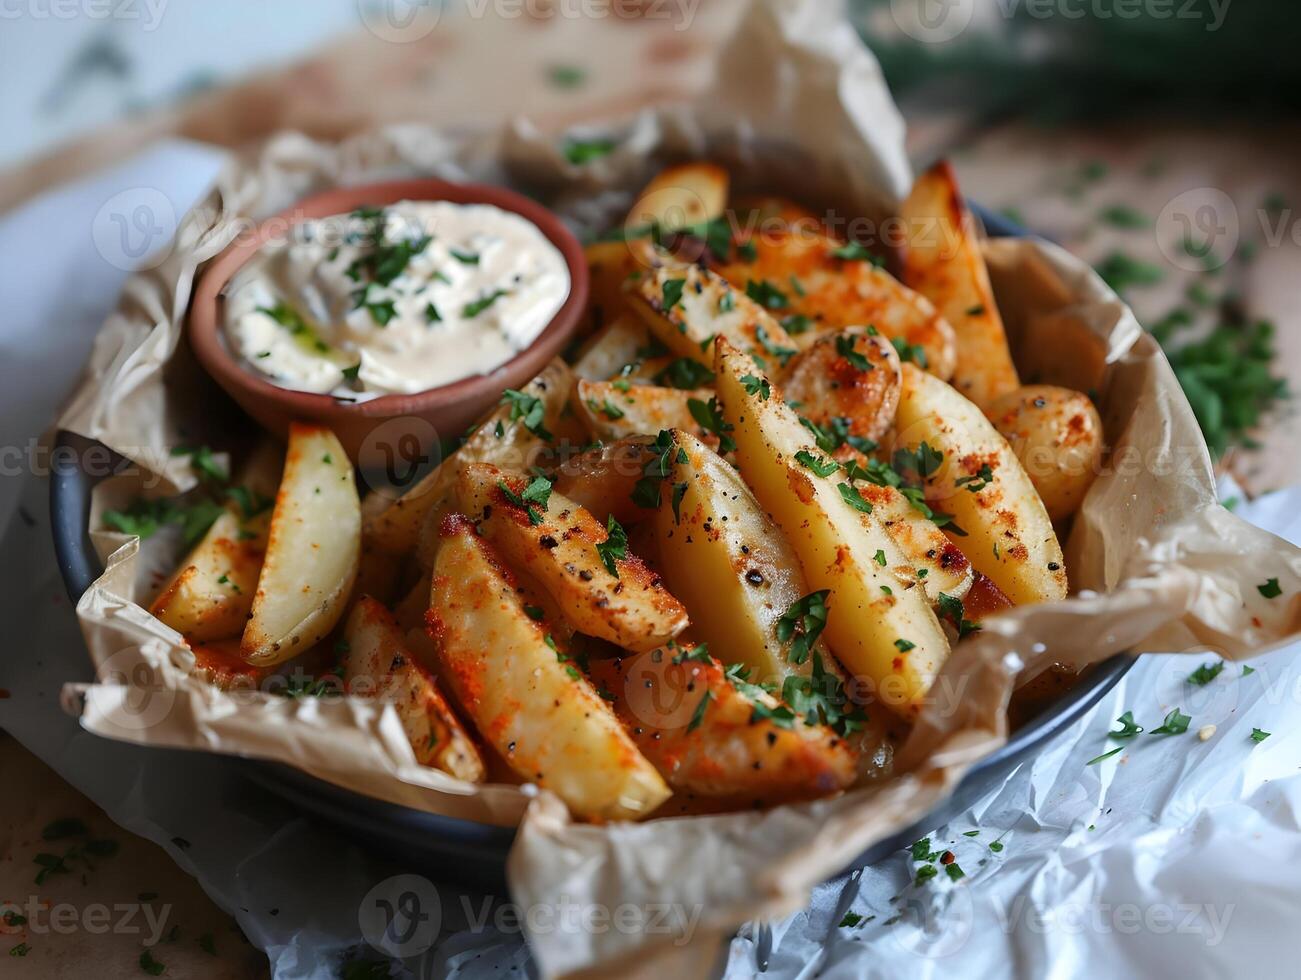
(699, 715)
(756, 386)
(535, 613)
(796, 324)
(473, 309)
(1206, 673)
(747, 251)
(954, 871)
(350, 373)
(672, 293)
(802, 624)
(646, 492)
(822, 467)
(1121, 271)
(387, 261)
(923, 461)
(996, 846)
(1105, 755)
(151, 965)
(528, 409)
(566, 76)
(1258, 735)
(431, 313)
(1128, 727)
(611, 412)
(684, 373)
(766, 294)
(977, 482)
(850, 495)
(537, 492)
(850, 920)
(904, 646)
(579, 152)
(821, 698)
(1270, 589)
(614, 547)
(783, 354)
(977, 310)
(1123, 216)
(382, 312)
(909, 352)
(1176, 723)
(853, 252)
(727, 302)
(926, 872)
(709, 416)
(845, 348)
(465, 258)
(203, 463)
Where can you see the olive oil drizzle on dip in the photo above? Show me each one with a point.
(394, 300)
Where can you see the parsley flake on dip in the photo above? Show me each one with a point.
(394, 300)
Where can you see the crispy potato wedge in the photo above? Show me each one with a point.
(379, 665)
(614, 412)
(612, 349)
(312, 552)
(396, 529)
(535, 708)
(680, 196)
(881, 633)
(555, 541)
(210, 596)
(716, 737)
(984, 486)
(603, 479)
(1056, 433)
(851, 375)
(943, 262)
(816, 285)
(728, 563)
(686, 307)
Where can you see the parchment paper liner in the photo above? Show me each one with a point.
(799, 107)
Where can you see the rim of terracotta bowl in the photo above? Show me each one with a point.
(205, 321)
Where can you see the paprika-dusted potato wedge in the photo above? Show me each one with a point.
(681, 196)
(312, 552)
(728, 563)
(932, 560)
(604, 479)
(1056, 433)
(814, 285)
(210, 596)
(612, 411)
(978, 479)
(602, 589)
(943, 262)
(881, 633)
(379, 664)
(852, 375)
(716, 734)
(532, 704)
(687, 307)
(514, 434)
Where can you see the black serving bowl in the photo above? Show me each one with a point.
(475, 853)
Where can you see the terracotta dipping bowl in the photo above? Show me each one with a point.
(373, 431)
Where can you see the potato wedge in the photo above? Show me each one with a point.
(613, 412)
(728, 564)
(848, 379)
(603, 479)
(220, 664)
(814, 285)
(210, 596)
(686, 307)
(555, 541)
(614, 347)
(1009, 536)
(534, 706)
(943, 262)
(883, 634)
(717, 736)
(1056, 433)
(688, 194)
(312, 550)
(522, 439)
(610, 266)
(378, 664)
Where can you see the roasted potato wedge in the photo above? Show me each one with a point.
(561, 545)
(619, 345)
(848, 379)
(378, 664)
(979, 480)
(1056, 433)
(687, 307)
(881, 633)
(603, 479)
(681, 196)
(720, 736)
(931, 558)
(815, 285)
(515, 434)
(312, 552)
(210, 596)
(728, 563)
(533, 705)
(613, 411)
(943, 262)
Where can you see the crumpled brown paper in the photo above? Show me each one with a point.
(799, 108)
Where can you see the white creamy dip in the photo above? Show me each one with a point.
(395, 300)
